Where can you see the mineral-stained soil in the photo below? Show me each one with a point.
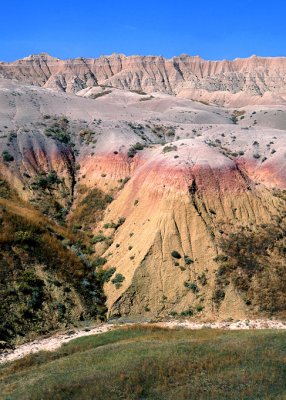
(165, 205)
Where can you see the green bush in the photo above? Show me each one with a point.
(46, 181)
(108, 274)
(167, 149)
(98, 239)
(176, 254)
(100, 261)
(188, 260)
(58, 131)
(7, 157)
(133, 149)
(192, 286)
(114, 225)
(117, 280)
(218, 295)
(187, 313)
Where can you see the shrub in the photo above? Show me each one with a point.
(124, 181)
(98, 239)
(90, 208)
(187, 313)
(7, 157)
(108, 274)
(109, 225)
(121, 221)
(100, 261)
(167, 149)
(61, 308)
(220, 258)
(188, 260)
(117, 280)
(114, 225)
(218, 296)
(58, 131)
(133, 149)
(27, 237)
(176, 254)
(46, 181)
(192, 286)
(202, 279)
(233, 118)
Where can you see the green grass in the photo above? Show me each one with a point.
(151, 363)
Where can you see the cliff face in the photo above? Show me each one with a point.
(254, 80)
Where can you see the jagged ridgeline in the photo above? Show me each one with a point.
(117, 203)
(254, 80)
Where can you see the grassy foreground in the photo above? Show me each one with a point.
(152, 363)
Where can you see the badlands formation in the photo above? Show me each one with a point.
(165, 179)
(254, 80)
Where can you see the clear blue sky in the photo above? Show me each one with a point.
(213, 29)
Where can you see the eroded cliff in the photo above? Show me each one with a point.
(176, 207)
(253, 80)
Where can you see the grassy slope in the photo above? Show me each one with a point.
(44, 284)
(152, 363)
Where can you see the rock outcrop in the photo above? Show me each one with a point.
(253, 80)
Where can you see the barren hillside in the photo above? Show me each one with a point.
(253, 80)
(176, 207)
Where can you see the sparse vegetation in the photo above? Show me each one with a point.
(90, 209)
(7, 157)
(163, 131)
(192, 286)
(46, 181)
(114, 225)
(188, 260)
(86, 135)
(236, 114)
(106, 276)
(98, 239)
(167, 149)
(101, 94)
(202, 279)
(117, 280)
(134, 149)
(176, 254)
(58, 130)
(32, 258)
(253, 260)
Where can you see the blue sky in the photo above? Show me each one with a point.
(213, 29)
